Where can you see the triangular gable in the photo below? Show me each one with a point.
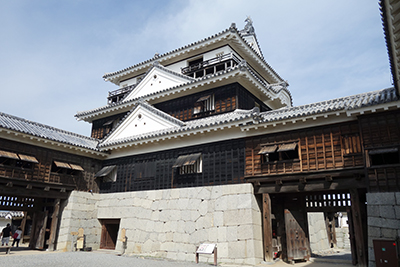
(141, 120)
(156, 79)
(252, 41)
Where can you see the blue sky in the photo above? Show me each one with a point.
(54, 53)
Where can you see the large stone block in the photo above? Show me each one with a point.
(203, 207)
(232, 233)
(183, 204)
(397, 196)
(381, 198)
(190, 227)
(195, 215)
(221, 233)
(245, 232)
(194, 203)
(222, 250)
(387, 211)
(237, 250)
(245, 201)
(373, 210)
(389, 233)
(213, 234)
(216, 192)
(204, 193)
(218, 218)
(397, 212)
(384, 223)
(221, 204)
(232, 202)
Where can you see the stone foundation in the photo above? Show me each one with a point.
(172, 223)
(383, 211)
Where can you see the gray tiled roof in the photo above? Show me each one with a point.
(234, 116)
(13, 214)
(40, 130)
(343, 103)
(232, 29)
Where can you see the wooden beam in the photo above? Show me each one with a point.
(359, 217)
(33, 193)
(267, 228)
(311, 185)
(54, 224)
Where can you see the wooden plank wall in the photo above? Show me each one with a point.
(227, 98)
(381, 130)
(321, 148)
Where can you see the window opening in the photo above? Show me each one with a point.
(204, 104)
(66, 168)
(189, 163)
(279, 152)
(108, 173)
(384, 156)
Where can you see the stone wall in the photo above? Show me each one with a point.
(79, 211)
(317, 232)
(343, 238)
(383, 211)
(171, 223)
(319, 235)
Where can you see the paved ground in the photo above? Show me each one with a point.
(23, 257)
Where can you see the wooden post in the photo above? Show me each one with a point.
(360, 232)
(267, 228)
(54, 224)
(23, 223)
(215, 256)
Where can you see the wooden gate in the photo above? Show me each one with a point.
(298, 247)
(38, 233)
(109, 233)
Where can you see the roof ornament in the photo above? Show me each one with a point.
(256, 115)
(232, 28)
(248, 28)
(242, 65)
(156, 55)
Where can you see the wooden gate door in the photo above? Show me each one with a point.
(109, 234)
(38, 230)
(298, 247)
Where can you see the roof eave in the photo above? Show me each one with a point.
(182, 90)
(230, 33)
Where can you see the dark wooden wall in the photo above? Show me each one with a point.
(320, 148)
(223, 163)
(41, 172)
(227, 98)
(101, 127)
(381, 131)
